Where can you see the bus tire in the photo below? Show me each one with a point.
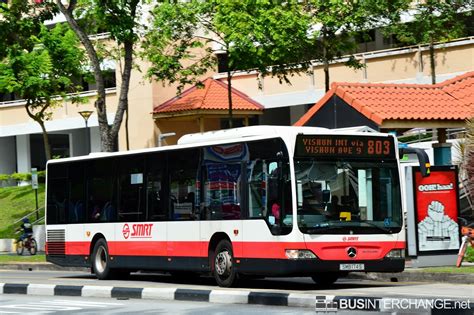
(101, 260)
(325, 279)
(223, 269)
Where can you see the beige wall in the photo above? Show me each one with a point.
(16, 114)
(182, 127)
(379, 69)
(451, 59)
(144, 95)
(140, 122)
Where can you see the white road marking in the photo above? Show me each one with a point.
(46, 307)
(73, 302)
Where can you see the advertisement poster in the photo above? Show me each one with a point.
(436, 203)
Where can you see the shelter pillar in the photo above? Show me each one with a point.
(442, 149)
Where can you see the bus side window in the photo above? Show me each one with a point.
(57, 194)
(131, 205)
(77, 194)
(156, 195)
(222, 170)
(183, 170)
(102, 191)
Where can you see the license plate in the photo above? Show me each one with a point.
(351, 267)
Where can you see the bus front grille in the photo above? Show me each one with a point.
(56, 243)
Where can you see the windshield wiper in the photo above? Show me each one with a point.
(378, 227)
(324, 228)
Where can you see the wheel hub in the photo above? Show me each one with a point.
(100, 261)
(223, 263)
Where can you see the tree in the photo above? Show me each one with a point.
(38, 64)
(338, 21)
(430, 21)
(469, 164)
(268, 36)
(121, 19)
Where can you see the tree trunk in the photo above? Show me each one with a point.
(124, 88)
(229, 96)
(47, 146)
(432, 63)
(39, 120)
(107, 143)
(326, 66)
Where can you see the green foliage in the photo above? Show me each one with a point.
(469, 256)
(38, 63)
(21, 176)
(469, 161)
(4, 177)
(254, 34)
(21, 19)
(45, 70)
(339, 22)
(433, 20)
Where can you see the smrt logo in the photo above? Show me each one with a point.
(137, 231)
(126, 231)
(350, 238)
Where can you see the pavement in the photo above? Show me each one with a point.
(217, 295)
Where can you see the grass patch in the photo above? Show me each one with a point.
(469, 257)
(462, 269)
(26, 258)
(15, 202)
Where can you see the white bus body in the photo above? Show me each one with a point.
(248, 201)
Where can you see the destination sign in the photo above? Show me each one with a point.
(344, 146)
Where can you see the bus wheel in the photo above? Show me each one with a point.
(100, 260)
(224, 271)
(325, 278)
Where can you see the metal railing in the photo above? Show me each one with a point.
(34, 212)
(429, 135)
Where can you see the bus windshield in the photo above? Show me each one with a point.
(348, 196)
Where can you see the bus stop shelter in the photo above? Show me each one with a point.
(398, 108)
(204, 108)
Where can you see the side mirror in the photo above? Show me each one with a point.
(422, 159)
(326, 195)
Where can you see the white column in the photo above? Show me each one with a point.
(23, 153)
(95, 139)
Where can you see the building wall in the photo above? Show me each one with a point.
(392, 65)
(140, 121)
(182, 127)
(384, 66)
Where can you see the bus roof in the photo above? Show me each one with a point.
(244, 132)
(232, 135)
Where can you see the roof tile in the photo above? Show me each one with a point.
(452, 99)
(212, 97)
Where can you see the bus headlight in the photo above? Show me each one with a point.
(300, 254)
(396, 253)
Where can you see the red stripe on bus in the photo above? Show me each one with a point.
(275, 250)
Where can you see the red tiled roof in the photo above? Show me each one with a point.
(448, 100)
(212, 97)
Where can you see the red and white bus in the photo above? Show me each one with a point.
(262, 200)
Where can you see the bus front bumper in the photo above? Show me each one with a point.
(309, 267)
